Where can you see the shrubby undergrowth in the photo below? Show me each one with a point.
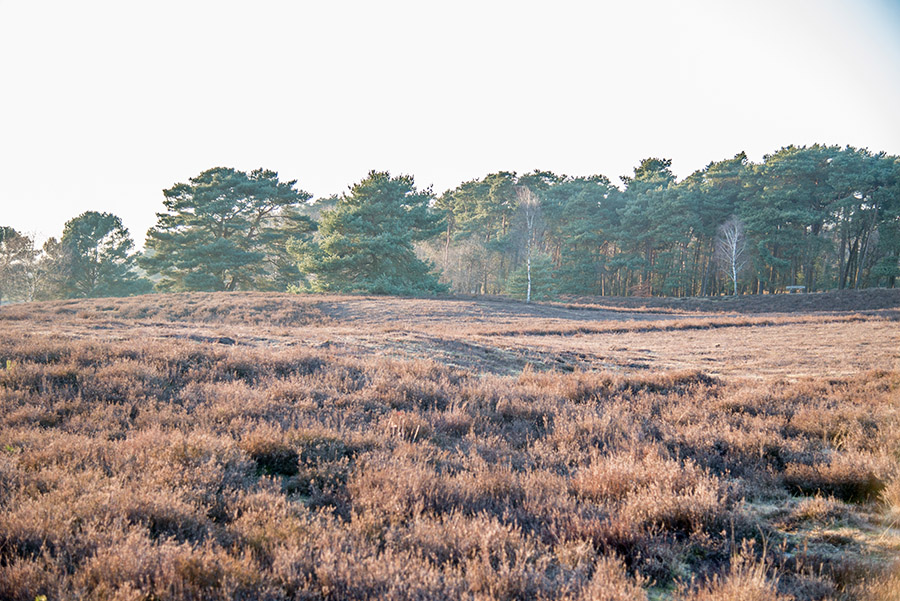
(179, 470)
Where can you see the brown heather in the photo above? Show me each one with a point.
(254, 446)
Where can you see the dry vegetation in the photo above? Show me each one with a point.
(258, 446)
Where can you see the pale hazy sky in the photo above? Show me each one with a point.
(104, 104)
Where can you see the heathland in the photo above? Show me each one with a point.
(273, 446)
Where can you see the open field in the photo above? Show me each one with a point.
(250, 445)
(502, 337)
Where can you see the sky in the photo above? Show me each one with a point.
(105, 104)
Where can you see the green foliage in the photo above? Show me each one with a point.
(227, 230)
(365, 244)
(17, 256)
(819, 216)
(50, 280)
(543, 287)
(580, 218)
(650, 219)
(94, 258)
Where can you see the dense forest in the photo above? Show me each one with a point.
(820, 217)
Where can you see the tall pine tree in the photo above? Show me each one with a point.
(94, 259)
(227, 230)
(365, 244)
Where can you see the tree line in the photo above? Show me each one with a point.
(822, 217)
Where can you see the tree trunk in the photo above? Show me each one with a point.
(447, 247)
(528, 268)
(862, 261)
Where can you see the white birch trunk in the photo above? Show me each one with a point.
(528, 268)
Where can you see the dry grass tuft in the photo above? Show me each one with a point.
(883, 588)
(851, 477)
(747, 580)
(820, 509)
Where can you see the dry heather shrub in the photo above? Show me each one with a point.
(605, 532)
(126, 380)
(229, 400)
(41, 377)
(268, 447)
(454, 422)
(820, 509)
(853, 476)
(405, 425)
(24, 578)
(578, 555)
(336, 560)
(891, 495)
(412, 385)
(397, 490)
(611, 478)
(577, 387)
(264, 521)
(353, 572)
(489, 485)
(882, 588)
(580, 431)
(746, 581)
(447, 539)
(164, 513)
(168, 570)
(157, 469)
(264, 308)
(11, 479)
(319, 444)
(508, 409)
(401, 487)
(686, 510)
(610, 582)
(838, 424)
(652, 490)
(197, 459)
(324, 464)
(506, 565)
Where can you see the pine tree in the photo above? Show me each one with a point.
(365, 244)
(227, 230)
(17, 258)
(95, 258)
(579, 219)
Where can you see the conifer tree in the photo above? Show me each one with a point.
(227, 230)
(17, 256)
(94, 258)
(365, 244)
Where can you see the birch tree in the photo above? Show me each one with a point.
(731, 250)
(530, 205)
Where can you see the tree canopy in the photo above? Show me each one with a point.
(366, 242)
(821, 217)
(227, 230)
(94, 258)
(17, 254)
